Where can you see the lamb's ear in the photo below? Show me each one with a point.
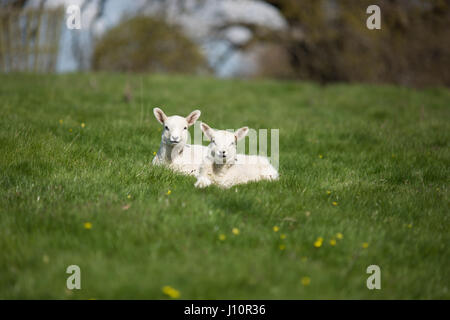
(159, 115)
(241, 133)
(207, 130)
(192, 117)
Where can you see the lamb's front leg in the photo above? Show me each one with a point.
(202, 182)
(202, 179)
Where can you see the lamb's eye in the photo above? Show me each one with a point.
(232, 144)
(213, 141)
(166, 127)
(185, 128)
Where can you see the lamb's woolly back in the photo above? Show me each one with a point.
(173, 150)
(225, 167)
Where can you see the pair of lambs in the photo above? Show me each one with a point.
(219, 163)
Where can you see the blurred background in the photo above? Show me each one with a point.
(321, 40)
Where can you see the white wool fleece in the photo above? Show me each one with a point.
(173, 151)
(224, 167)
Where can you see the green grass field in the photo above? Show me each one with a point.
(381, 153)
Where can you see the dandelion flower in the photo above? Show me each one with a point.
(410, 225)
(276, 229)
(88, 225)
(328, 192)
(282, 236)
(169, 192)
(306, 281)
(171, 292)
(334, 203)
(318, 242)
(365, 245)
(70, 130)
(320, 156)
(129, 196)
(282, 247)
(235, 231)
(333, 242)
(222, 237)
(339, 235)
(154, 153)
(83, 125)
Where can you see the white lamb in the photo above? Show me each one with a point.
(173, 151)
(224, 167)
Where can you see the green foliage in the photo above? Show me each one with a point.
(329, 41)
(385, 160)
(143, 44)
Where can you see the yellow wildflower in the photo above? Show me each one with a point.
(61, 121)
(333, 242)
(339, 235)
(169, 192)
(276, 229)
(282, 247)
(222, 237)
(320, 156)
(334, 203)
(328, 192)
(235, 231)
(154, 153)
(88, 225)
(365, 245)
(318, 242)
(282, 236)
(306, 281)
(83, 125)
(171, 292)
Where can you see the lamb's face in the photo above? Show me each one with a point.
(223, 146)
(223, 143)
(175, 128)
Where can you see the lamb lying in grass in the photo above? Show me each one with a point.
(173, 150)
(224, 167)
